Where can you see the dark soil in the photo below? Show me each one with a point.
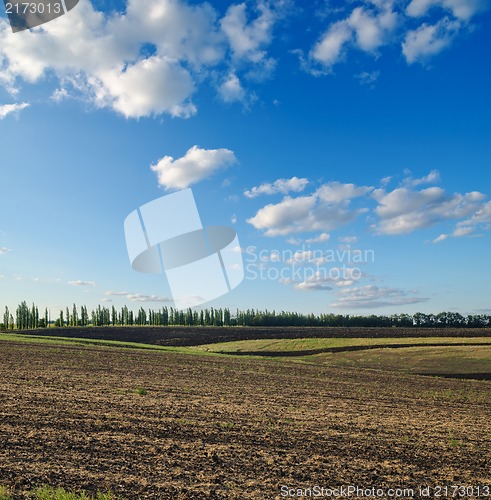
(224, 427)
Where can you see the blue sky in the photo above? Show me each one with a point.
(360, 126)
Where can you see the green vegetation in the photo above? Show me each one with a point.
(449, 360)
(317, 344)
(50, 493)
(426, 356)
(19, 337)
(5, 493)
(455, 442)
(29, 318)
(432, 355)
(141, 391)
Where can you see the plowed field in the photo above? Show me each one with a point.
(148, 424)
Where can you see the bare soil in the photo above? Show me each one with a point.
(225, 427)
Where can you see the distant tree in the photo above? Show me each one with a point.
(6, 318)
(74, 315)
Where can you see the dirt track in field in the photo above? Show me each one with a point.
(220, 427)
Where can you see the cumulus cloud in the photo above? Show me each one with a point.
(285, 217)
(463, 9)
(378, 24)
(324, 279)
(440, 238)
(248, 38)
(154, 58)
(482, 216)
(480, 219)
(366, 28)
(429, 39)
(321, 238)
(331, 47)
(7, 109)
(336, 192)
(371, 29)
(141, 61)
(82, 283)
(404, 210)
(4, 250)
(432, 177)
(197, 164)
(372, 296)
(231, 89)
(283, 186)
(324, 210)
(139, 89)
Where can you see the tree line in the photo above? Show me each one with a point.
(29, 317)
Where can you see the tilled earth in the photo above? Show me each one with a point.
(224, 427)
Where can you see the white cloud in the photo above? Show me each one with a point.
(344, 283)
(429, 40)
(137, 297)
(286, 217)
(313, 284)
(7, 109)
(330, 48)
(372, 30)
(143, 61)
(462, 231)
(59, 95)
(283, 186)
(365, 28)
(70, 48)
(324, 210)
(368, 78)
(154, 58)
(336, 192)
(348, 239)
(322, 237)
(371, 296)
(139, 89)
(306, 257)
(247, 39)
(231, 89)
(82, 283)
(197, 164)
(431, 178)
(481, 217)
(294, 241)
(404, 210)
(440, 238)
(318, 239)
(463, 9)
(377, 24)
(4, 250)
(324, 279)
